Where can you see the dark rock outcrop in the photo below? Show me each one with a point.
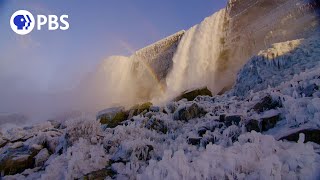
(191, 95)
(190, 112)
(230, 120)
(112, 117)
(269, 122)
(138, 109)
(100, 174)
(157, 125)
(194, 141)
(253, 125)
(311, 135)
(16, 160)
(262, 125)
(309, 90)
(267, 103)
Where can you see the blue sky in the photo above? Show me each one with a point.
(50, 61)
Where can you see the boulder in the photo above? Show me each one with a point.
(266, 123)
(14, 161)
(41, 157)
(112, 117)
(267, 103)
(191, 95)
(230, 120)
(269, 122)
(191, 112)
(311, 135)
(154, 108)
(170, 108)
(253, 125)
(16, 145)
(138, 109)
(206, 140)
(157, 125)
(144, 154)
(100, 174)
(202, 131)
(222, 117)
(309, 90)
(194, 141)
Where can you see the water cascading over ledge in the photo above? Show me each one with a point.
(209, 54)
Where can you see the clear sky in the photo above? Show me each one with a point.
(52, 61)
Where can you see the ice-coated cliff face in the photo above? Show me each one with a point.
(158, 56)
(252, 25)
(209, 54)
(277, 64)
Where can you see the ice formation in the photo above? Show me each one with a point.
(219, 144)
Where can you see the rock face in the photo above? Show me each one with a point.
(252, 25)
(277, 64)
(256, 24)
(158, 56)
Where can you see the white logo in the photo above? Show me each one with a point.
(22, 22)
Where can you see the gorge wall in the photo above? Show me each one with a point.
(208, 54)
(254, 25)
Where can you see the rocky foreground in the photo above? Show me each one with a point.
(266, 127)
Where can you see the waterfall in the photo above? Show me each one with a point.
(126, 81)
(195, 62)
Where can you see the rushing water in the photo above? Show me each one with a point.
(195, 62)
(127, 81)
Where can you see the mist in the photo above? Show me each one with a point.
(47, 74)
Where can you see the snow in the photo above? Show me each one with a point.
(255, 156)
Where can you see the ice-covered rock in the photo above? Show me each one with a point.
(190, 95)
(265, 70)
(189, 112)
(41, 157)
(112, 117)
(310, 135)
(16, 160)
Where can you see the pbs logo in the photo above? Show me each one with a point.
(23, 22)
